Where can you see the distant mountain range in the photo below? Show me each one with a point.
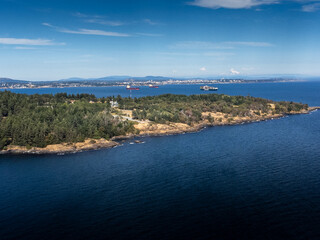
(12, 81)
(117, 78)
(102, 79)
(157, 78)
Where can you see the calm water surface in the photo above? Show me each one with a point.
(298, 91)
(251, 181)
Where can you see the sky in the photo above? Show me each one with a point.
(58, 39)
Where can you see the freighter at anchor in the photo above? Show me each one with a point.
(208, 88)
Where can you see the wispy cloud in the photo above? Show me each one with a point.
(78, 14)
(233, 4)
(28, 42)
(307, 5)
(194, 54)
(94, 32)
(150, 34)
(24, 48)
(311, 7)
(85, 31)
(234, 72)
(150, 22)
(203, 69)
(199, 45)
(202, 45)
(105, 22)
(98, 19)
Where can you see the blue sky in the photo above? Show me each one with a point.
(54, 39)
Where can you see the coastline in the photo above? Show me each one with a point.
(154, 129)
(146, 128)
(143, 84)
(62, 148)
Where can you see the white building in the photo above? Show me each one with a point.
(114, 104)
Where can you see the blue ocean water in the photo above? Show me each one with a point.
(250, 181)
(292, 91)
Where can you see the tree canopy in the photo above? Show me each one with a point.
(40, 120)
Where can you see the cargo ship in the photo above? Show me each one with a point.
(153, 86)
(208, 88)
(132, 88)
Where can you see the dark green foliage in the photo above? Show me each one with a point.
(188, 109)
(210, 119)
(40, 120)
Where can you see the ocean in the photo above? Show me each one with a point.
(250, 181)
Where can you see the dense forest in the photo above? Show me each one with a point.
(40, 120)
(189, 109)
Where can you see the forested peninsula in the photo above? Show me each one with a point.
(69, 123)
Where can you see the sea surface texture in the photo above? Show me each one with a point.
(250, 181)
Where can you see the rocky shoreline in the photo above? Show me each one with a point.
(146, 129)
(63, 148)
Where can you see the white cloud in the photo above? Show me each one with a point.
(105, 22)
(78, 14)
(150, 34)
(197, 54)
(24, 48)
(29, 42)
(213, 45)
(233, 4)
(203, 69)
(199, 45)
(150, 22)
(87, 31)
(47, 24)
(311, 7)
(94, 32)
(99, 19)
(234, 72)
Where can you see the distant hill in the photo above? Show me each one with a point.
(77, 79)
(154, 78)
(114, 78)
(12, 81)
(117, 78)
(72, 79)
(125, 78)
(108, 78)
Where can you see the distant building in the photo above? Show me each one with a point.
(114, 104)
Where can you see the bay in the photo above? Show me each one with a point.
(250, 181)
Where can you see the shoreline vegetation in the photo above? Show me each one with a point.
(61, 123)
